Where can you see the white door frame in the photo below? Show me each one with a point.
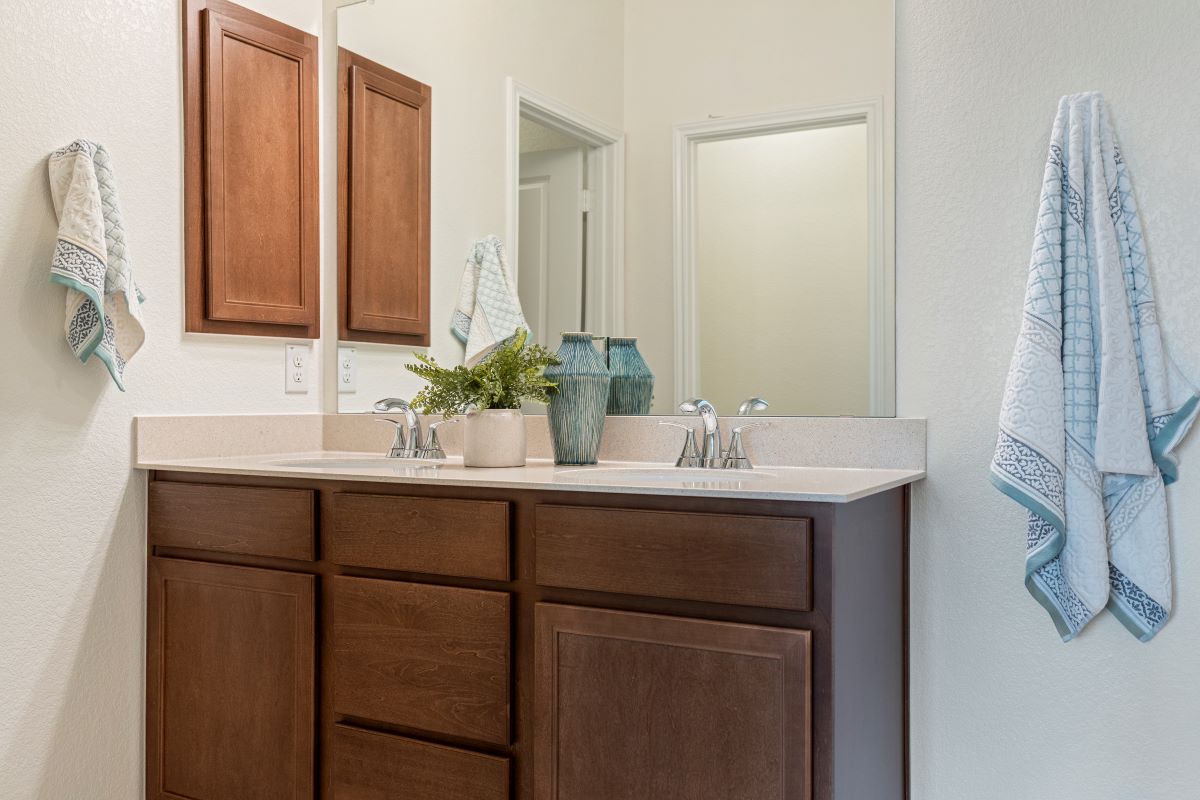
(687, 137)
(606, 181)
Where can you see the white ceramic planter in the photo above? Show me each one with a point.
(494, 438)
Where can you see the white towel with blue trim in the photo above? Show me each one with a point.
(488, 313)
(1094, 408)
(103, 303)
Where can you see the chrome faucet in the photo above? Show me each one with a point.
(712, 455)
(408, 441)
(711, 452)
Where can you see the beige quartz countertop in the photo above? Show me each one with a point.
(809, 484)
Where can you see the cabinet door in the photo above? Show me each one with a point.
(230, 685)
(630, 706)
(250, 96)
(383, 203)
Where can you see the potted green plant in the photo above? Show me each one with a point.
(490, 393)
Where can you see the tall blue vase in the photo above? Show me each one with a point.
(577, 411)
(632, 387)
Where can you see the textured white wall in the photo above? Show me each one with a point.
(72, 527)
(1000, 708)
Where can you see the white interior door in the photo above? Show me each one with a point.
(533, 244)
(557, 246)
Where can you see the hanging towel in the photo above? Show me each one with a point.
(1094, 408)
(103, 303)
(488, 313)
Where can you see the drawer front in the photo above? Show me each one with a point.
(233, 519)
(368, 765)
(462, 538)
(431, 658)
(713, 558)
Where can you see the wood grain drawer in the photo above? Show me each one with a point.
(233, 519)
(714, 558)
(462, 538)
(431, 658)
(368, 766)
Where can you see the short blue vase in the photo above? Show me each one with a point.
(632, 387)
(576, 412)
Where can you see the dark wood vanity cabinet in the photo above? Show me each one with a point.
(343, 640)
(252, 260)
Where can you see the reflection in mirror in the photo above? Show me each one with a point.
(712, 182)
(550, 234)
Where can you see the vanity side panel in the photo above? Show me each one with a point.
(869, 639)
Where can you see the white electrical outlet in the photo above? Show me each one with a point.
(347, 375)
(295, 368)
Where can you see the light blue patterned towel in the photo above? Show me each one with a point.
(1094, 407)
(104, 314)
(488, 313)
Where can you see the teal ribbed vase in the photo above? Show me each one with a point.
(576, 412)
(632, 387)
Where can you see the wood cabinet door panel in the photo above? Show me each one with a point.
(385, 141)
(629, 706)
(261, 221)
(368, 765)
(230, 682)
(430, 658)
(252, 261)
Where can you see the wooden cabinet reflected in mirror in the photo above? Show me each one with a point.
(383, 204)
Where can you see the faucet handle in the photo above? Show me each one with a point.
(397, 449)
(752, 404)
(433, 448)
(690, 455)
(735, 457)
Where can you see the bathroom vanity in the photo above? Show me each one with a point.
(438, 633)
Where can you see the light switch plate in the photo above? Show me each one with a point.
(297, 358)
(347, 374)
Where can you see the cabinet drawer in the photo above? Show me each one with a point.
(233, 519)
(431, 658)
(369, 765)
(463, 538)
(714, 558)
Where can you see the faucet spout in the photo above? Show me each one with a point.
(711, 453)
(412, 423)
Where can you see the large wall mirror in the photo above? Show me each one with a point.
(714, 180)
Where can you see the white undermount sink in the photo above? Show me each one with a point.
(662, 474)
(378, 462)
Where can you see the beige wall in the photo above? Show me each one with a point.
(465, 49)
(782, 271)
(687, 60)
(73, 524)
(1001, 709)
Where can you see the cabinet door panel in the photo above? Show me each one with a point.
(630, 706)
(384, 131)
(250, 95)
(217, 727)
(430, 658)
